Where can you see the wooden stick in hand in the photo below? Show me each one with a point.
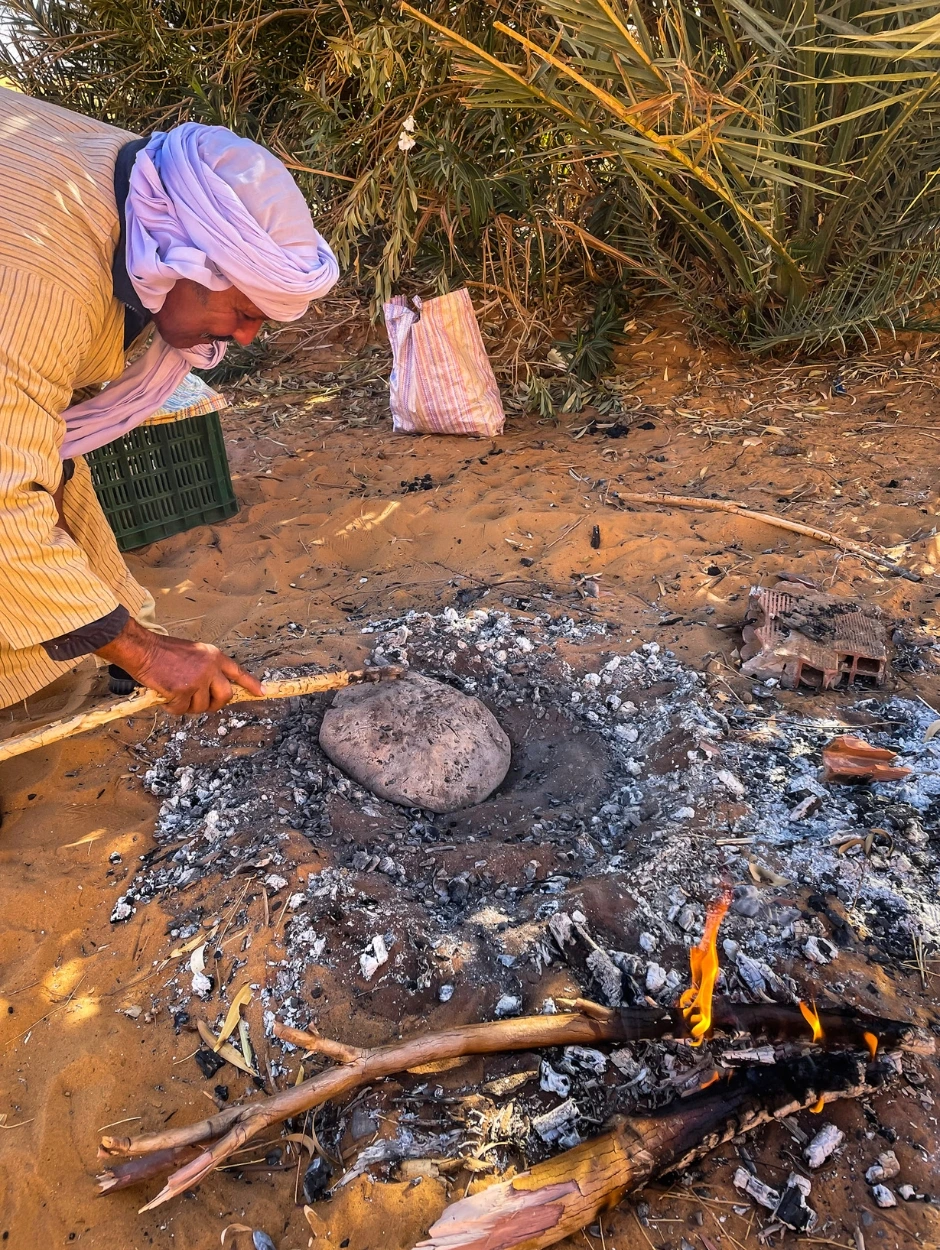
(285, 689)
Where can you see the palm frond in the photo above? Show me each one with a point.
(774, 166)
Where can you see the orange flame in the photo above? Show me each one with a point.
(872, 1043)
(696, 1002)
(811, 1016)
(817, 1107)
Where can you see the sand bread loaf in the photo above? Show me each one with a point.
(417, 742)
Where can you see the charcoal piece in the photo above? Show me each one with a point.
(886, 1169)
(766, 1195)
(555, 1123)
(828, 1139)
(209, 1062)
(316, 1179)
(883, 1196)
(607, 975)
(417, 742)
(793, 1209)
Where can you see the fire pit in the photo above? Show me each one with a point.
(640, 790)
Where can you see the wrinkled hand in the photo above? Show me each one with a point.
(193, 677)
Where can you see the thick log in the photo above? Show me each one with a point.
(230, 1129)
(842, 1028)
(557, 1198)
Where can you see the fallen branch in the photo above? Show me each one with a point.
(554, 1199)
(523, 1033)
(230, 1129)
(316, 1045)
(770, 518)
(145, 1168)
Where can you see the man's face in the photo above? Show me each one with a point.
(192, 315)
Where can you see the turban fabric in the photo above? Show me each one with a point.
(220, 210)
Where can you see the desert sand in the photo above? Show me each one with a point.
(327, 536)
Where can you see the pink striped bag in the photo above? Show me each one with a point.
(442, 381)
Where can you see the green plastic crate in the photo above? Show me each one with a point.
(160, 480)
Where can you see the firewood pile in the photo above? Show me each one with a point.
(640, 793)
(809, 1059)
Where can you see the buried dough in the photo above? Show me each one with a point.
(417, 742)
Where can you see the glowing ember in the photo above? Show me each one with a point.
(696, 1002)
(817, 1107)
(872, 1043)
(812, 1019)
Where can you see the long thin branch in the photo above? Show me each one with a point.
(232, 1128)
(290, 687)
(770, 518)
(488, 1038)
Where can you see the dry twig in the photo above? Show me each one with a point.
(769, 518)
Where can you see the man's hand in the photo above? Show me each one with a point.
(193, 677)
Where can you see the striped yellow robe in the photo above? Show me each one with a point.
(61, 330)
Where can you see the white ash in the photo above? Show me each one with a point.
(826, 1142)
(886, 1168)
(557, 1125)
(373, 958)
(763, 1194)
(819, 950)
(693, 769)
(583, 1061)
(552, 1082)
(404, 1145)
(508, 1005)
(910, 1194)
(655, 978)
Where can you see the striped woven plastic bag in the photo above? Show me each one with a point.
(442, 381)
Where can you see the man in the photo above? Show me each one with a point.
(201, 233)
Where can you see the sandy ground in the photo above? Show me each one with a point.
(328, 535)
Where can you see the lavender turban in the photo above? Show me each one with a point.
(207, 205)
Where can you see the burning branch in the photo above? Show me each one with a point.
(556, 1198)
(224, 1133)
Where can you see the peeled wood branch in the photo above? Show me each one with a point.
(288, 688)
(232, 1128)
(556, 1198)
